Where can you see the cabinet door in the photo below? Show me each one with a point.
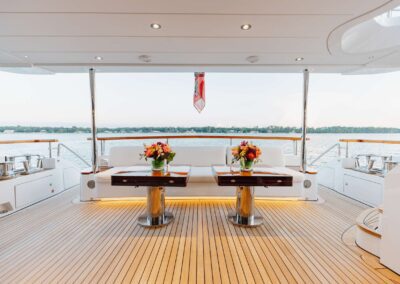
(363, 190)
(33, 191)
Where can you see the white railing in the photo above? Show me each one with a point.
(323, 154)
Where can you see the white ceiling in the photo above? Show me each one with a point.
(66, 36)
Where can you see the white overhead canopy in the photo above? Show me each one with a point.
(46, 36)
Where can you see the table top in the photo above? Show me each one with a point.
(175, 177)
(225, 176)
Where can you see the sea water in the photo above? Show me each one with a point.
(79, 142)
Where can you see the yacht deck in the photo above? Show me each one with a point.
(59, 240)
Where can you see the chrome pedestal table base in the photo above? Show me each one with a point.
(150, 222)
(155, 215)
(244, 215)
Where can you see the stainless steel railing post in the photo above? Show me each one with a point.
(102, 147)
(303, 166)
(93, 116)
(326, 152)
(50, 152)
(71, 151)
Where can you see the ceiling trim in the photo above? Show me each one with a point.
(334, 39)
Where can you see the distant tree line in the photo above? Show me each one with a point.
(204, 129)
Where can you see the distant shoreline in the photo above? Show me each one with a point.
(205, 129)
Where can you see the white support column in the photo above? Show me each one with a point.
(303, 166)
(93, 116)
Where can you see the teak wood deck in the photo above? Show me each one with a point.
(61, 241)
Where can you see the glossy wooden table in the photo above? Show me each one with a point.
(156, 181)
(245, 183)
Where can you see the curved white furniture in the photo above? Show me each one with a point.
(201, 182)
(390, 244)
(368, 234)
(378, 230)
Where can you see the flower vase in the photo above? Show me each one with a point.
(246, 166)
(157, 165)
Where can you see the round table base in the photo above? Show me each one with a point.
(149, 222)
(237, 220)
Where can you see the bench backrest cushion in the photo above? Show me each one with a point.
(199, 156)
(125, 156)
(270, 157)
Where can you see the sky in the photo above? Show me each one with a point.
(232, 99)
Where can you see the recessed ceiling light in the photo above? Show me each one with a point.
(98, 58)
(155, 26)
(245, 27)
(299, 59)
(252, 59)
(26, 56)
(145, 58)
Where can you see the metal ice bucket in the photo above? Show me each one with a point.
(6, 169)
(389, 165)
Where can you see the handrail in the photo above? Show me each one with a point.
(32, 141)
(347, 141)
(73, 152)
(29, 141)
(326, 152)
(198, 137)
(370, 141)
(167, 137)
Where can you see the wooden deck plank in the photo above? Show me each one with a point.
(89, 259)
(214, 263)
(228, 275)
(102, 269)
(154, 261)
(168, 275)
(159, 272)
(332, 237)
(303, 245)
(61, 241)
(148, 258)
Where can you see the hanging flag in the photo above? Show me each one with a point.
(199, 98)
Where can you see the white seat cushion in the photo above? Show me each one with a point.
(272, 157)
(124, 156)
(201, 175)
(200, 156)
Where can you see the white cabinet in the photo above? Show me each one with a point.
(71, 177)
(326, 177)
(33, 191)
(366, 191)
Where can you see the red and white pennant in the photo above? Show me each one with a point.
(199, 98)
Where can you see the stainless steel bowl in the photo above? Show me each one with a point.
(6, 169)
(370, 164)
(390, 165)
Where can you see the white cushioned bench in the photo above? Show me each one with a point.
(201, 180)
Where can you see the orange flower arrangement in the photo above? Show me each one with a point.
(159, 152)
(246, 152)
